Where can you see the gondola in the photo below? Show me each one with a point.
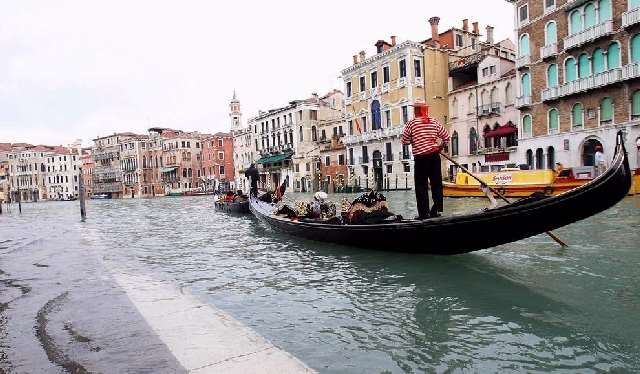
(238, 207)
(451, 235)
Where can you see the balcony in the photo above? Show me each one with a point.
(402, 82)
(593, 33)
(373, 135)
(363, 160)
(631, 17)
(347, 101)
(631, 71)
(588, 83)
(549, 51)
(419, 82)
(385, 87)
(388, 157)
(523, 61)
(523, 101)
(363, 95)
(99, 187)
(489, 109)
(373, 91)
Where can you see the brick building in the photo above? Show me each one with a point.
(217, 162)
(578, 68)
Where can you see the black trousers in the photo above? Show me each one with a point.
(254, 188)
(427, 169)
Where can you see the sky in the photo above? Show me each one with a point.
(82, 69)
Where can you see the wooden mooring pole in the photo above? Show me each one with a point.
(83, 208)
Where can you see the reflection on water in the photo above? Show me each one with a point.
(518, 307)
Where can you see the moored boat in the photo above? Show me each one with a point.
(466, 233)
(237, 206)
(515, 183)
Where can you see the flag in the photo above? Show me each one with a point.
(358, 126)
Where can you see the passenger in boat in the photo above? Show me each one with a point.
(559, 168)
(370, 208)
(252, 174)
(599, 161)
(427, 137)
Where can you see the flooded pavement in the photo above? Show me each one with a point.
(66, 301)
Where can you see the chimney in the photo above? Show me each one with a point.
(489, 34)
(435, 35)
(355, 59)
(476, 30)
(363, 56)
(465, 25)
(393, 40)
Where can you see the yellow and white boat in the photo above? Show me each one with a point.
(514, 183)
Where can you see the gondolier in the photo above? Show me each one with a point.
(427, 137)
(253, 175)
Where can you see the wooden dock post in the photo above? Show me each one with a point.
(19, 201)
(83, 208)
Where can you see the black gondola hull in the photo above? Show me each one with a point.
(241, 207)
(462, 234)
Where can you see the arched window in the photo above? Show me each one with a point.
(589, 15)
(551, 157)
(554, 121)
(606, 111)
(454, 108)
(375, 115)
(635, 46)
(484, 97)
(597, 61)
(605, 10)
(584, 70)
(613, 56)
(300, 136)
(635, 105)
(552, 76)
(526, 125)
(493, 96)
(523, 49)
(577, 115)
(473, 141)
(454, 144)
(314, 134)
(529, 156)
(525, 81)
(575, 22)
(487, 140)
(570, 73)
(550, 33)
(508, 94)
(539, 159)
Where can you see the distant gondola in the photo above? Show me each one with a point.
(238, 207)
(471, 232)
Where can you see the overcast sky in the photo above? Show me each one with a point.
(79, 69)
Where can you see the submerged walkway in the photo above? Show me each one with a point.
(202, 338)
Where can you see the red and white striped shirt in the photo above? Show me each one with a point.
(422, 135)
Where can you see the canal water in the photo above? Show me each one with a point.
(525, 306)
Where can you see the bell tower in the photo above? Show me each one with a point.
(235, 115)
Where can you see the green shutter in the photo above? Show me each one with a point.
(526, 124)
(577, 115)
(636, 103)
(606, 109)
(589, 16)
(605, 10)
(524, 45)
(570, 70)
(553, 120)
(552, 34)
(635, 47)
(526, 84)
(576, 22)
(552, 75)
(584, 68)
(598, 61)
(613, 56)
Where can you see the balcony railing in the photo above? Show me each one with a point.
(631, 17)
(549, 50)
(523, 101)
(373, 135)
(347, 101)
(402, 82)
(631, 71)
(419, 82)
(373, 91)
(404, 156)
(589, 83)
(363, 95)
(385, 87)
(363, 160)
(489, 109)
(523, 61)
(589, 35)
(388, 157)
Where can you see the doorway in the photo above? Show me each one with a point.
(377, 170)
(589, 151)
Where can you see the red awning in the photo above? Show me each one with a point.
(501, 131)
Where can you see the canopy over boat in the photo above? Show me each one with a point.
(466, 233)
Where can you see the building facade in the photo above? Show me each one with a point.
(577, 73)
(380, 92)
(87, 165)
(218, 171)
(244, 145)
(107, 174)
(482, 115)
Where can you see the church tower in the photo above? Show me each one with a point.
(235, 114)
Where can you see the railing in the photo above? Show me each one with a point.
(488, 109)
(631, 17)
(404, 156)
(373, 91)
(347, 101)
(588, 83)
(631, 71)
(402, 82)
(549, 50)
(523, 101)
(419, 82)
(373, 134)
(588, 35)
(363, 95)
(363, 160)
(385, 87)
(388, 157)
(523, 61)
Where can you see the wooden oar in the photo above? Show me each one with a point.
(551, 234)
